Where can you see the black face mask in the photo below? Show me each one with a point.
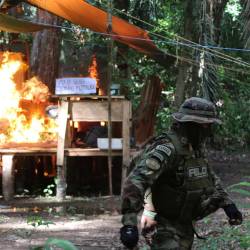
(196, 133)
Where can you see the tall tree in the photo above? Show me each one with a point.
(211, 17)
(246, 18)
(46, 50)
(202, 24)
(190, 32)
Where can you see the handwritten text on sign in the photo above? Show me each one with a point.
(75, 85)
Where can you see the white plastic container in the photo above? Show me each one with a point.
(103, 143)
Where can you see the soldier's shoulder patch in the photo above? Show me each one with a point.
(153, 164)
(159, 156)
(165, 149)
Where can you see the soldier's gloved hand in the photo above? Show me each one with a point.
(234, 215)
(129, 236)
(148, 225)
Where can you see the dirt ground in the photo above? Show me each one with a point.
(93, 223)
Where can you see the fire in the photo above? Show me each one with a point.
(93, 71)
(35, 91)
(22, 105)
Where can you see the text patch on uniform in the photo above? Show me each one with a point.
(164, 149)
(197, 172)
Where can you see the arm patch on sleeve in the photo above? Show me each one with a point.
(166, 150)
(158, 156)
(153, 164)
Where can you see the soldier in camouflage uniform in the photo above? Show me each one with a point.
(181, 187)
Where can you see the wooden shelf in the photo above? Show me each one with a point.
(87, 109)
(90, 109)
(88, 96)
(90, 152)
(49, 151)
(27, 151)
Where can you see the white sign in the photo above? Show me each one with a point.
(75, 85)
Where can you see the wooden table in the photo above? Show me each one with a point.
(90, 109)
(8, 155)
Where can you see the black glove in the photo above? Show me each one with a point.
(234, 215)
(129, 236)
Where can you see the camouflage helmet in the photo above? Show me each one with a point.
(197, 110)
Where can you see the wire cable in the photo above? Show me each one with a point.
(188, 60)
(193, 62)
(136, 38)
(221, 55)
(193, 45)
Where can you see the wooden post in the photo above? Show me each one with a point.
(109, 81)
(8, 177)
(61, 162)
(126, 139)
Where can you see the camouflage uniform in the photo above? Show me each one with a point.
(184, 188)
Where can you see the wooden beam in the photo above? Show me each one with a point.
(28, 151)
(126, 125)
(93, 97)
(90, 152)
(8, 177)
(60, 162)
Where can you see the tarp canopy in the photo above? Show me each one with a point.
(81, 13)
(87, 16)
(11, 24)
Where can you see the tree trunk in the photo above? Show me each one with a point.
(210, 19)
(146, 112)
(184, 69)
(217, 8)
(188, 82)
(180, 84)
(46, 50)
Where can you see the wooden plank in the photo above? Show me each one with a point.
(28, 145)
(61, 183)
(68, 152)
(60, 161)
(90, 152)
(8, 177)
(126, 125)
(96, 111)
(62, 126)
(28, 151)
(89, 96)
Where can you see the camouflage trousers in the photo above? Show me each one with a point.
(172, 235)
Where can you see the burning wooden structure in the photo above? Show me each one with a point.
(26, 131)
(23, 121)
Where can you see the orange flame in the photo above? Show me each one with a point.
(35, 91)
(24, 122)
(93, 73)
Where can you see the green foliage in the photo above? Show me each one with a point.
(163, 119)
(227, 237)
(235, 115)
(51, 243)
(37, 221)
(49, 190)
(233, 8)
(240, 188)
